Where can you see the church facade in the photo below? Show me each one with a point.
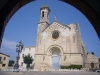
(59, 44)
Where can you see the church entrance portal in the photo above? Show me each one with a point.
(55, 58)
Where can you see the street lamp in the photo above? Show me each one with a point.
(19, 48)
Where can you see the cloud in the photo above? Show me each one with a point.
(8, 44)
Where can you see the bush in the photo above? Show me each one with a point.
(75, 66)
(71, 67)
(63, 67)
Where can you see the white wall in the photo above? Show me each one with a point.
(26, 51)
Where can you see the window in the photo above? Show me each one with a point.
(29, 49)
(28, 54)
(23, 49)
(47, 15)
(76, 27)
(99, 65)
(0, 58)
(3, 65)
(42, 14)
(55, 34)
(21, 63)
(4, 58)
(23, 55)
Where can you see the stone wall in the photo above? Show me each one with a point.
(92, 59)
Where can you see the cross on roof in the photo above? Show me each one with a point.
(55, 18)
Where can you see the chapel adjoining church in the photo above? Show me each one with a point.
(58, 44)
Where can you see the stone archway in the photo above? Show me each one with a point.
(55, 53)
(92, 7)
(53, 48)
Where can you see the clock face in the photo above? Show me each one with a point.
(55, 34)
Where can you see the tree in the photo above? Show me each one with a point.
(92, 53)
(11, 62)
(28, 60)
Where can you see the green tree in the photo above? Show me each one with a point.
(11, 62)
(92, 53)
(28, 60)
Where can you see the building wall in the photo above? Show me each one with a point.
(26, 51)
(92, 59)
(4, 61)
(77, 45)
(46, 39)
(69, 42)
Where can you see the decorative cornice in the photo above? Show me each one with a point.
(43, 22)
(45, 6)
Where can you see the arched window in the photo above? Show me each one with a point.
(47, 15)
(42, 14)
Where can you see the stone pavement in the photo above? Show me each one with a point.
(48, 73)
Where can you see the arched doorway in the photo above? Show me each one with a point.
(92, 65)
(55, 58)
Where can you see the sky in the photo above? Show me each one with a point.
(23, 26)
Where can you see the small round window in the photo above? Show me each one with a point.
(55, 34)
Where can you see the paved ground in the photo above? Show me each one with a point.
(48, 73)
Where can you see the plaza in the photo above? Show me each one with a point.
(48, 73)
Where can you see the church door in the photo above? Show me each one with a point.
(55, 62)
(92, 65)
(55, 57)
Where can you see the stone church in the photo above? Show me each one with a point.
(59, 44)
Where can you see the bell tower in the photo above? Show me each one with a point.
(42, 25)
(44, 16)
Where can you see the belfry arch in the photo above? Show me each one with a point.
(84, 6)
(42, 14)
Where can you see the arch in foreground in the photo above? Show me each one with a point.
(90, 8)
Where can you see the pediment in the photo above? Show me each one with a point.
(56, 25)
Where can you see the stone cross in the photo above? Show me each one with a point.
(55, 18)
